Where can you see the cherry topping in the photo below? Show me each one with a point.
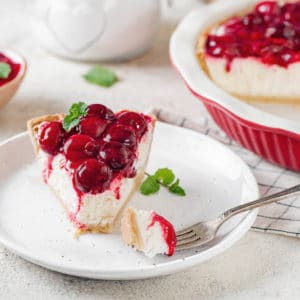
(122, 134)
(270, 33)
(101, 111)
(92, 126)
(134, 120)
(80, 146)
(51, 137)
(93, 176)
(115, 155)
(102, 146)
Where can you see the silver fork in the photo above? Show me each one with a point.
(204, 232)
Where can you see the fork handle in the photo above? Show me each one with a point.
(259, 202)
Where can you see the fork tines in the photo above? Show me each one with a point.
(186, 239)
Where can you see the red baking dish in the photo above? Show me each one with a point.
(273, 137)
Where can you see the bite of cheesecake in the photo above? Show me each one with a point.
(148, 232)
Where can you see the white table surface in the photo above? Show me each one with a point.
(260, 266)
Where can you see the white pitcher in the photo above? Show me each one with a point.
(96, 30)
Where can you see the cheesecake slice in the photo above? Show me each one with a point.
(148, 232)
(255, 55)
(93, 160)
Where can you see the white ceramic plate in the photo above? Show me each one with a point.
(34, 226)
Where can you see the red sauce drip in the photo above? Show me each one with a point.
(117, 193)
(147, 118)
(168, 232)
(76, 222)
(48, 168)
(270, 33)
(15, 68)
(79, 195)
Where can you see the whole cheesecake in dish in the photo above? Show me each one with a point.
(93, 160)
(255, 55)
(148, 232)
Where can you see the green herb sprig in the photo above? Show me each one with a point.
(101, 76)
(76, 111)
(162, 177)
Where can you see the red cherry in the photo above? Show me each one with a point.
(134, 120)
(73, 131)
(92, 126)
(93, 176)
(122, 134)
(115, 155)
(234, 25)
(101, 111)
(288, 32)
(51, 137)
(291, 12)
(129, 171)
(267, 8)
(285, 57)
(80, 146)
(255, 20)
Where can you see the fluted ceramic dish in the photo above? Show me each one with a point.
(271, 131)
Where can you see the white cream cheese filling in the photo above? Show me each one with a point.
(251, 78)
(95, 209)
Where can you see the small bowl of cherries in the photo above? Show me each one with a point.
(12, 71)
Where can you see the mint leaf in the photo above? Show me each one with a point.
(76, 111)
(70, 122)
(176, 189)
(165, 176)
(5, 70)
(149, 186)
(162, 177)
(82, 108)
(101, 76)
